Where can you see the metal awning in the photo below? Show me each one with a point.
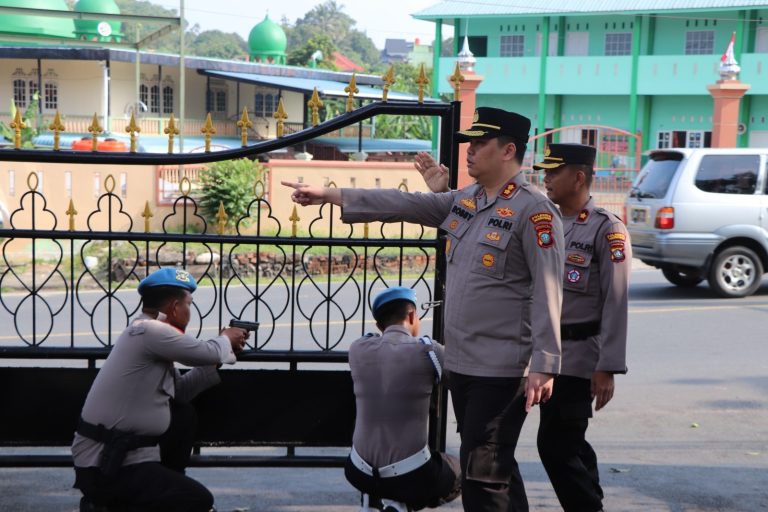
(306, 85)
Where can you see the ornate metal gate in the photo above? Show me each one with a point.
(310, 293)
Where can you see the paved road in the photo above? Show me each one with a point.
(686, 432)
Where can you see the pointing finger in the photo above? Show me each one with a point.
(291, 184)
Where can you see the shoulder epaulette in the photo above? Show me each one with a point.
(371, 335)
(426, 340)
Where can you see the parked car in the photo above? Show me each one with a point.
(703, 214)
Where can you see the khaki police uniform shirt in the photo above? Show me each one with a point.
(598, 258)
(393, 377)
(504, 279)
(132, 390)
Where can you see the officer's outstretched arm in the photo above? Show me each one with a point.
(305, 194)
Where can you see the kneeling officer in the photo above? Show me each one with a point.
(393, 377)
(137, 427)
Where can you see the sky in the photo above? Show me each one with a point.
(380, 20)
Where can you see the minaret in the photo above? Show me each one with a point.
(467, 97)
(727, 93)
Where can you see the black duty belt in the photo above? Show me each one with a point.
(580, 331)
(102, 434)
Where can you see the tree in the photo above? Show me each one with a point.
(405, 127)
(219, 45)
(359, 47)
(230, 182)
(31, 119)
(302, 55)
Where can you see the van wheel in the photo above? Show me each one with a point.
(736, 272)
(681, 279)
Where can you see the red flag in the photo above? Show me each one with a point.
(728, 55)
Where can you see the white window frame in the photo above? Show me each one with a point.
(694, 42)
(576, 44)
(512, 45)
(552, 44)
(664, 139)
(618, 44)
(694, 139)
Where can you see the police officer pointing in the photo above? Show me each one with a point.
(594, 325)
(136, 430)
(594, 319)
(504, 255)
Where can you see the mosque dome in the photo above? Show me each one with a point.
(94, 30)
(33, 25)
(267, 42)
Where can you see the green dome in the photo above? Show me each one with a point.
(267, 41)
(35, 26)
(89, 29)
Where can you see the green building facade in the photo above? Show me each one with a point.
(626, 65)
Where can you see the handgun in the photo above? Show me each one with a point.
(242, 324)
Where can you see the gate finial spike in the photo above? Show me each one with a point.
(133, 129)
(315, 103)
(281, 116)
(17, 125)
(147, 214)
(71, 212)
(221, 219)
(423, 81)
(244, 123)
(171, 130)
(294, 218)
(57, 126)
(389, 80)
(95, 130)
(208, 131)
(351, 89)
(456, 78)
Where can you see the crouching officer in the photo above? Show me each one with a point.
(136, 429)
(593, 325)
(393, 377)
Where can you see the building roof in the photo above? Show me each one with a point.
(36, 25)
(397, 47)
(306, 85)
(344, 63)
(451, 9)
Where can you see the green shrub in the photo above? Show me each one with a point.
(230, 182)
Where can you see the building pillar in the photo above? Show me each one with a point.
(468, 99)
(725, 117)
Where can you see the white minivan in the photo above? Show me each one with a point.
(703, 214)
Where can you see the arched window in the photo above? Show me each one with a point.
(220, 105)
(167, 99)
(20, 93)
(144, 94)
(154, 99)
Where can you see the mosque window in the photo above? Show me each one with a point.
(144, 94)
(618, 43)
(512, 46)
(220, 105)
(167, 99)
(270, 102)
(258, 104)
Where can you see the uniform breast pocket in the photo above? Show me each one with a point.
(576, 276)
(456, 227)
(491, 253)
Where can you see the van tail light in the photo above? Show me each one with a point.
(665, 218)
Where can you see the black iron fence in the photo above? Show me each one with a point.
(67, 294)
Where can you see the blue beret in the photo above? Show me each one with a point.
(168, 277)
(396, 293)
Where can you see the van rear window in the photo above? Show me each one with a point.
(656, 175)
(728, 174)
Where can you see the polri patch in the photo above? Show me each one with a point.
(544, 235)
(508, 190)
(573, 276)
(469, 203)
(505, 212)
(617, 252)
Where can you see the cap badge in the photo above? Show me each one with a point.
(476, 117)
(182, 275)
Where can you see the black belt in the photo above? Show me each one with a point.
(102, 434)
(580, 331)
